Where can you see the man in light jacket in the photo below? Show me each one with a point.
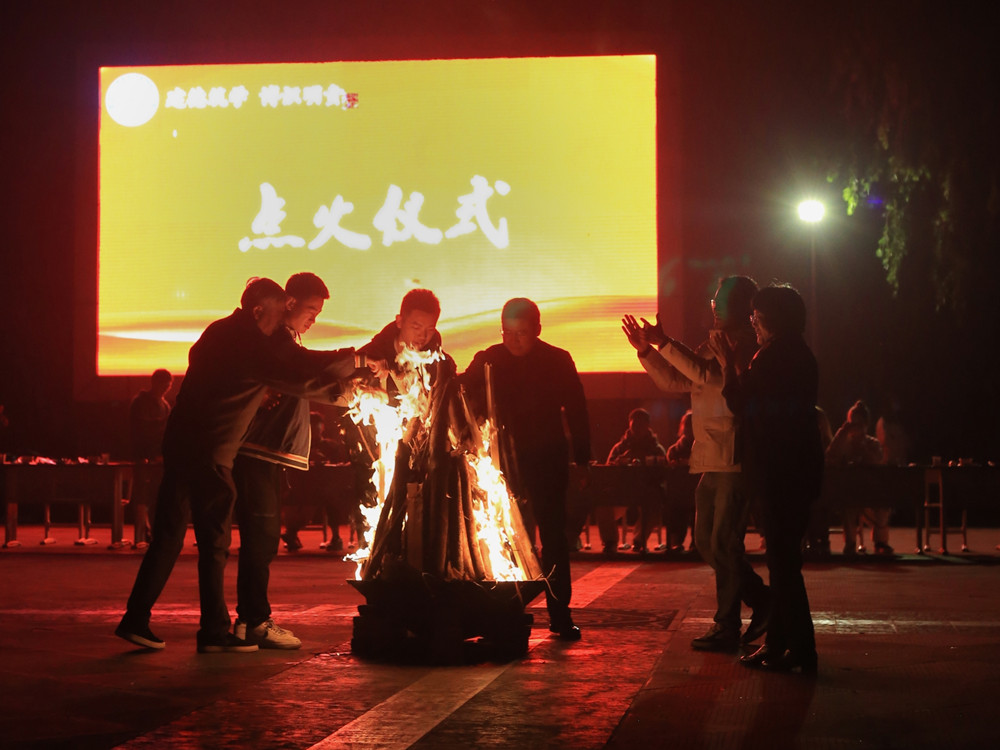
(721, 506)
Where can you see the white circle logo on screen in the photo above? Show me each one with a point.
(132, 99)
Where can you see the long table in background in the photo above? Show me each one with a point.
(88, 485)
(927, 490)
(110, 487)
(923, 489)
(634, 484)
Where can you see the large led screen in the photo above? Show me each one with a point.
(479, 179)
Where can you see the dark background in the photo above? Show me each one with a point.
(757, 119)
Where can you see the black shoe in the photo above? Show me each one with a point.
(791, 662)
(816, 551)
(566, 632)
(717, 638)
(769, 660)
(227, 644)
(757, 626)
(140, 635)
(884, 549)
(754, 660)
(292, 542)
(564, 628)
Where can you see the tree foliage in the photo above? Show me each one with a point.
(919, 98)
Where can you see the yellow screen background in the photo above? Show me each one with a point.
(573, 138)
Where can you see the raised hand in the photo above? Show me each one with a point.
(654, 331)
(635, 333)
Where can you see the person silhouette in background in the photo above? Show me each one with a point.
(147, 419)
(5, 442)
(679, 514)
(817, 542)
(852, 445)
(309, 494)
(638, 444)
(892, 434)
(679, 452)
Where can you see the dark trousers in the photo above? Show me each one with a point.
(146, 479)
(786, 517)
(258, 505)
(721, 512)
(206, 493)
(545, 487)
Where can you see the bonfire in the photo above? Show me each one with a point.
(443, 505)
(447, 557)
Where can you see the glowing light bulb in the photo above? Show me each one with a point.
(811, 211)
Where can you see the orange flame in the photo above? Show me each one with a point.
(491, 499)
(491, 507)
(370, 406)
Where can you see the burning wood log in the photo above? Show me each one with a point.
(504, 457)
(479, 555)
(416, 526)
(450, 559)
(447, 510)
(388, 534)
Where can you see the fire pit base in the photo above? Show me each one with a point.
(429, 620)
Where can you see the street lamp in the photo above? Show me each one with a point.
(811, 211)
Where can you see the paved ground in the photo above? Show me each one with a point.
(909, 658)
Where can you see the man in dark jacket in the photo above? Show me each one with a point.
(229, 368)
(279, 438)
(782, 457)
(147, 417)
(533, 384)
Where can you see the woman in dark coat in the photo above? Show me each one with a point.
(774, 400)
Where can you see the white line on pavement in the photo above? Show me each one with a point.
(404, 718)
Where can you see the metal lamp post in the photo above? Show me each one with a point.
(812, 211)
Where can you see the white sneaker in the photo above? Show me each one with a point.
(267, 635)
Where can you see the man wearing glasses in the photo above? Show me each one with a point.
(721, 505)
